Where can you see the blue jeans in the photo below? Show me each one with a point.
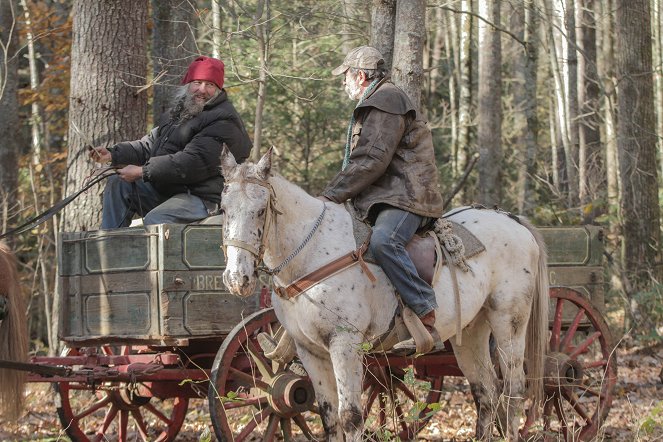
(393, 229)
(123, 200)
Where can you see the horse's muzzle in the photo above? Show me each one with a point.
(239, 283)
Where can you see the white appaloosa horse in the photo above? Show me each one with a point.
(505, 293)
(13, 335)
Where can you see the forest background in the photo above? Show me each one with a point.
(549, 108)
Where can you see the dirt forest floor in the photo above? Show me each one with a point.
(636, 413)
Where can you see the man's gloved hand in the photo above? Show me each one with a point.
(130, 173)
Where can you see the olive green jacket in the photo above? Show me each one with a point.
(391, 161)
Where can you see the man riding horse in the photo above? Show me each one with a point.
(390, 175)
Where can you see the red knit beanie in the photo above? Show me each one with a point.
(205, 69)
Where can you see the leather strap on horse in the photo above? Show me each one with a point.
(454, 281)
(48, 214)
(306, 282)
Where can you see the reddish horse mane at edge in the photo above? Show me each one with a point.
(13, 335)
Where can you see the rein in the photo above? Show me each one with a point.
(48, 214)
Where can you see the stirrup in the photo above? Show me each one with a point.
(421, 341)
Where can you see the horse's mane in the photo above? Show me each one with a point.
(248, 170)
(13, 335)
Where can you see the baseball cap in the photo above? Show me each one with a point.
(363, 57)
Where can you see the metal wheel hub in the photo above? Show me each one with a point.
(562, 372)
(291, 394)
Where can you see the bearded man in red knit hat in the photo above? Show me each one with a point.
(172, 174)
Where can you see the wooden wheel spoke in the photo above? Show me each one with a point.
(595, 364)
(272, 427)
(400, 416)
(572, 399)
(94, 407)
(404, 388)
(557, 325)
(110, 415)
(301, 423)
(370, 399)
(257, 402)
(585, 344)
(123, 424)
(246, 378)
(254, 422)
(382, 404)
(561, 416)
(263, 364)
(142, 428)
(286, 429)
(162, 417)
(572, 330)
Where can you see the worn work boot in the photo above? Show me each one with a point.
(423, 340)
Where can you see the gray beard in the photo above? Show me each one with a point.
(185, 106)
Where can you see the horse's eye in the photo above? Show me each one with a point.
(261, 212)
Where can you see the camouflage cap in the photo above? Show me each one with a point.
(363, 57)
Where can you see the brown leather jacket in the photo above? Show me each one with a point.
(392, 159)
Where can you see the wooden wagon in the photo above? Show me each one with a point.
(149, 325)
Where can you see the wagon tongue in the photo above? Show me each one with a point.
(44, 370)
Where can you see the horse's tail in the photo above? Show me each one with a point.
(536, 346)
(13, 335)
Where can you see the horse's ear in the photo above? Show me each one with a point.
(265, 164)
(228, 162)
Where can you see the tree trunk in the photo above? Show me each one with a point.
(108, 65)
(409, 39)
(451, 50)
(636, 142)
(383, 22)
(571, 92)
(173, 48)
(216, 29)
(465, 95)
(557, 48)
(262, 35)
(489, 134)
(606, 64)
(658, 60)
(524, 72)
(8, 112)
(591, 174)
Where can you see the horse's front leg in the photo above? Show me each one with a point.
(347, 359)
(320, 371)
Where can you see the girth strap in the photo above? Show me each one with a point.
(315, 277)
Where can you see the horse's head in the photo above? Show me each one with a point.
(246, 203)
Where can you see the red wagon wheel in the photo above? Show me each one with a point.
(252, 397)
(398, 402)
(580, 373)
(116, 410)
